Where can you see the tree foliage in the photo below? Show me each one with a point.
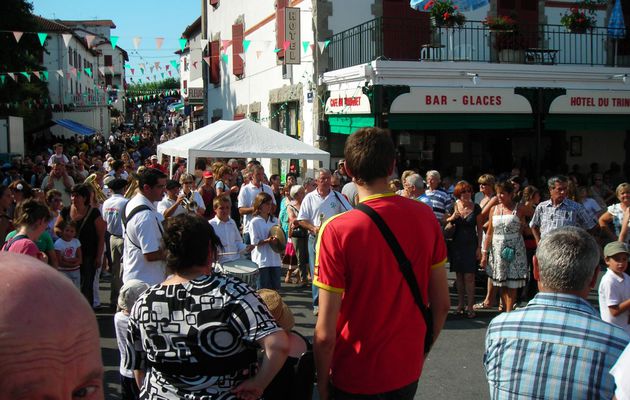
(140, 88)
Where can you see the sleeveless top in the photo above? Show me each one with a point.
(86, 232)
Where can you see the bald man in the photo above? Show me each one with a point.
(49, 338)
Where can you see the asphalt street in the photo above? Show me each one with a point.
(453, 369)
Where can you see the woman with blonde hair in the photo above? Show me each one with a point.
(614, 214)
(269, 262)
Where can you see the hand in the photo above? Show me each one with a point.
(248, 390)
(484, 259)
(180, 198)
(249, 248)
(315, 230)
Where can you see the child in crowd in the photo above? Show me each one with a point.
(68, 249)
(127, 297)
(268, 261)
(614, 288)
(227, 231)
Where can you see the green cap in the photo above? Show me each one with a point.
(613, 248)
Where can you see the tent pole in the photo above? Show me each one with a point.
(170, 167)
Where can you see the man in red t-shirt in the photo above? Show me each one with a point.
(369, 337)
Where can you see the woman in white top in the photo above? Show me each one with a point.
(193, 202)
(614, 214)
(268, 261)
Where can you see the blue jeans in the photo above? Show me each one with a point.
(312, 240)
(269, 278)
(74, 276)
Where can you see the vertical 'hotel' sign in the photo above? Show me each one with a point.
(292, 35)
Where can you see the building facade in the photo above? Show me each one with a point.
(191, 79)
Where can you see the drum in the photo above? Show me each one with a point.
(244, 269)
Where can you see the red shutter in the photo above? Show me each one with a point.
(525, 12)
(280, 36)
(405, 30)
(215, 62)
(239, 117)
(237, 49)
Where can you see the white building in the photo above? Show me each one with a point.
(191, 79)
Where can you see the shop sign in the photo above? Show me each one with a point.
(195, 93)
(454, 100)
(351, 101)
(292, 35)
(591, 102)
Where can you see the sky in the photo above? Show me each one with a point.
(145, 18)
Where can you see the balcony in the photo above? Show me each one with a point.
(86, 100)
(405, 40)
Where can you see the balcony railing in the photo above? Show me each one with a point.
(399, 39)
(86, 100)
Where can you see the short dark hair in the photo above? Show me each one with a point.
(187, 239)
(274, 177)
(29, 212)
(370, 154)
(82, 190)
(116, 164)
(150, 176)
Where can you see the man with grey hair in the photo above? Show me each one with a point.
(414, 188)
(559, 211)
(557, 347)
(317, 206)
(439, 200)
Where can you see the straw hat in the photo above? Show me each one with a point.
(278, 308)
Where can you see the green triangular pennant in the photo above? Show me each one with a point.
(88, 71)
(276, 50)
(174, 63)
(113, 40)
(224, 57)
(142, 71)
(42, 37)
(127, 66)
(45, 75)
(182, 43)
(27, 75)
(305, 45)
(246, 44)
(162, 75)
(326, 43)
(2, 78)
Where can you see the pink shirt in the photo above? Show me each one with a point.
(24, 246)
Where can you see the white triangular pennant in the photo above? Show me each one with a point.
(11, 74)
(66, 38)
(322, 46)
(101, 70)
(60, 72)
(136, 41)
(17, 35)
(89, 39)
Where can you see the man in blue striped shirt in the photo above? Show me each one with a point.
(557, 347)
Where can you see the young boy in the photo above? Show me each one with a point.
(127, 297)
(227, 231)
(68, 250)
(614, 288)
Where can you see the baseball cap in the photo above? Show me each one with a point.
(207, 174)
(154, 157)
(613, 248)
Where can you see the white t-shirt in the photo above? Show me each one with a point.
(143, 235)
(167, 203)
(62, 158)
(126, 357)
(314, 207)
(620, 372)
(230, 238)
(246, 198)
(68, 250)
(263, 255)
(112, 213)
(614, 290)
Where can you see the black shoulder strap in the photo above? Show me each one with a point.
(14, 239)
(405, 267)
(341, 201)
(133, 212)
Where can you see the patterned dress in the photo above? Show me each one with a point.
(510, 272)
(197, 339)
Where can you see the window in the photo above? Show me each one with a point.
(75, 59)
(108, 61)
(108, 80)
(79, 64)
(238, 66)
(70, 56)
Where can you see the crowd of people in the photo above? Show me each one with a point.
(196, 267)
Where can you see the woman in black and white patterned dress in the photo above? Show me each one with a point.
(196, 335)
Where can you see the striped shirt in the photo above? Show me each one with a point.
(440, 201)
(555, 348)
(568, 213)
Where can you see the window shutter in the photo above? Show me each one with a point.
(215, 62)
(280, 35)
(237, 49)
(238, 117)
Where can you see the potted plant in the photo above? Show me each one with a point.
(444, 13)
(581, 16)
(510, 46)
(501, 23)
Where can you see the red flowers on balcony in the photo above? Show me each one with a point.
(444, 13)
(581, 16)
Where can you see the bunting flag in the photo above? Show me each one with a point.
(174, 64)
(225, 44)
(224, 57)
(142, 71)
(182, 43)
(60, 72)
(169, 73)
(42, 37)
(286, 45)
(113, 40)
(27, 75)
(36, 73)
(322, 46)
(45, 75)
(66, 38)
(73, 70)
(141, 65)
(2, 78)
(204, 43)
(89, 39)
(88, 71)
(195, 64)
(207, 60)
(159, 41)
(128, 66)
(136, 42)
(276, 50)
(148, 78)
(78, 74)
(246, 44)
(167, 67)
(111, 69)
(242, 55)
(151, 68)
(162, 73)
(305, 45)
(133, 70)
(101, 70)
(17, 35)
(156, 64)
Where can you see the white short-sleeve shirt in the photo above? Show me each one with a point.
(167, 203)
(143, 235)
(614, 290)
(230, 238)
(263, 255)
(246, 199)
(316, 209)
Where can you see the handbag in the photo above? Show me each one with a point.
(449, 230)
(405, 268)
(299, 232)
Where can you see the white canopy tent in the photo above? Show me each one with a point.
(238, 139)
